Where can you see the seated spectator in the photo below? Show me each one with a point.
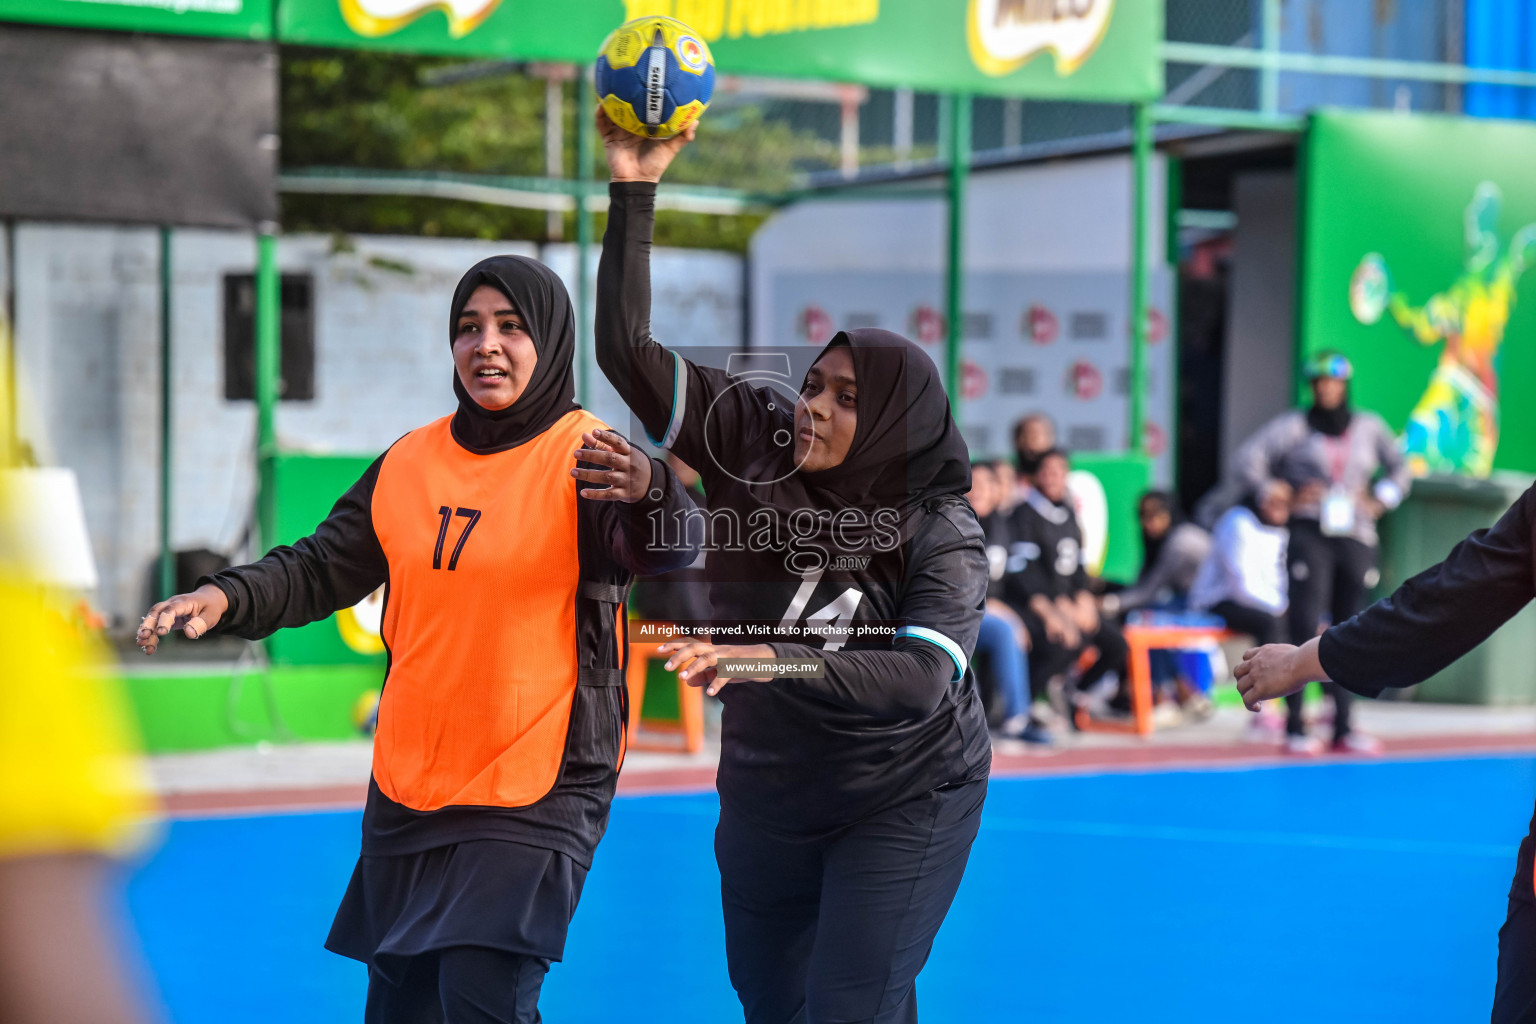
(1003, 641)
(1047, 585)
(1172, 552)
(1033, 436)
(1244, 580)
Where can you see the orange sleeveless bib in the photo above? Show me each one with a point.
(480, 618)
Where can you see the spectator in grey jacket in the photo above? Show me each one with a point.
(1347, 470)
(1172, 551)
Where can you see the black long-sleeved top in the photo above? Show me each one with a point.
(1045, 553)
(1438, 616)
(890, 720)
(502, 715)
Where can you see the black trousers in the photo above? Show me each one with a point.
(1255, 622)
(1047, 658)
(459, 985)
(835, 930)
(1514, 994)
(1330, 576)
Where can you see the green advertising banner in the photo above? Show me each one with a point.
(240, 19)
(1416, 232)
(1070, 49)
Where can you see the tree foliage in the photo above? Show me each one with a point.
(376, 111)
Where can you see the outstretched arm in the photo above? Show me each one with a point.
(1427, 623)
(335, 567)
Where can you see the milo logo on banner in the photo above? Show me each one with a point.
(1005, 34)
(381, 17)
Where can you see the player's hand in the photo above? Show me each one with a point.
(1276, 670)
(194, 614)
(625, 469)
(697, 661)
(634, 158)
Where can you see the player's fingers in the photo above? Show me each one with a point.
(594, 439)
(685, 654)
(147, 627)
(593, 476)
(166, 620)
(614, 440)
(1242, 669)
(195, 627)
(601, 456)
(1250, 652)
(705, 661)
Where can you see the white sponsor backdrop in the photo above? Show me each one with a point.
(1035, 342)
(1047, 295)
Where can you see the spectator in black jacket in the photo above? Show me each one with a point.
(1004, 639)
(1047, 586)
(1427, 623)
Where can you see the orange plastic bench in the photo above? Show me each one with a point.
(687, 734)
(1142, 641)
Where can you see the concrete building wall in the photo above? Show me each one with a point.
(1261, 315)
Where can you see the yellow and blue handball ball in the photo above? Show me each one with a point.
(655, 76)
(365, 713)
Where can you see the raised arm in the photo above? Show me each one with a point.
(699, 412)
(333, 568)
(644, 374)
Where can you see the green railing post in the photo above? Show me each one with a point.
(1141, 212)
(167, 563)
(268, 372)
(586, 104)
(954, 270)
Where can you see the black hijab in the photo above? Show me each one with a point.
(1332, 422)
(540, 299)
(906, 449)
(1151, 546)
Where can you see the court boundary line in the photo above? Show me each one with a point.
(1081, 762)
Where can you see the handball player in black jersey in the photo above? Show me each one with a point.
(849, 802)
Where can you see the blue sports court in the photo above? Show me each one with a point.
(1321, 892)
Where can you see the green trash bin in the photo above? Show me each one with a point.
(1438, 513)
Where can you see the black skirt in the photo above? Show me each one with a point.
(485, 892)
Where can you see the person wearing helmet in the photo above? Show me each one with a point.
(1347, 470)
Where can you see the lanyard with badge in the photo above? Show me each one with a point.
(1338, 514)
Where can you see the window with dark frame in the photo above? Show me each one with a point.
(296, 359)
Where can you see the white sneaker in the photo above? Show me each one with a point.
(1358, 743)
(1303, 746)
